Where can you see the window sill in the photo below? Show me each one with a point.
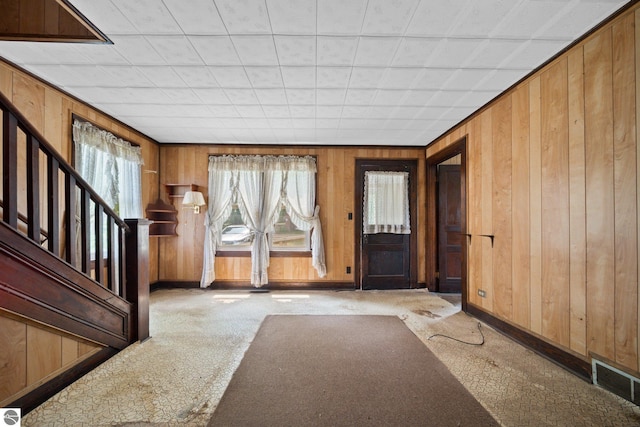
(272, 254)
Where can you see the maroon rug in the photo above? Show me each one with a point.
(344, 371)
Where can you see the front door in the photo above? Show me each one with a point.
(449, 228)
(386, 260)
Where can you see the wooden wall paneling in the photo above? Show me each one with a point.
(44, 353)
(29, 98)
(577, 207)
(637, 86)
(68, 351)
(625, 185)
(52, 17)
(520, 207)
(474, 211)
(599, 191)
(555, 203)
(535, 204)
(13, 357)
(501, 141)
(485, 138)
(348, 201)
(32, 16)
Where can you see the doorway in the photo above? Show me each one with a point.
(446, 224)
(385, 260)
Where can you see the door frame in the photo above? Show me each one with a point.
(458, 147)
(411, 166)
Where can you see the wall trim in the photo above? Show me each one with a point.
(574, 364)
(245, 285)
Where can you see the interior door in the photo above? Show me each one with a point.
(386, 260)
(449, 228)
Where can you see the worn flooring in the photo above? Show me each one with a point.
(199, 337)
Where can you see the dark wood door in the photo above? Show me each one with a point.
(449, 228)
(386, 260)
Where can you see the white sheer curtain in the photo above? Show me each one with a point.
(386, 202)
(259, 184)
(221, 190)
(300, 197)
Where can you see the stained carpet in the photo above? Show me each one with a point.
(319, 370)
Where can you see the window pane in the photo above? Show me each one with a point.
(288, 237)
(235, 234)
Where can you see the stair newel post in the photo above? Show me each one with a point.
(137, 275)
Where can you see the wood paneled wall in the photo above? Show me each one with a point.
(180, 258)
(553, 169)
(32, 353)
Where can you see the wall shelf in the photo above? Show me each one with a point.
(178, 190)
(164, 217)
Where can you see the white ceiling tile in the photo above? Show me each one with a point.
(339, 17)
(105, 16)
(414, 52)
(137, 50)
(271, 96)
(444, 98)
(457, 113)
(577, 17)
(432, 78)
(376, 51)
(304, 123)
(241, 96)
(532, 54)
(366, 77)
(256, 50)
(234, 77)
(380, 112)
(257, 123)
(465, 79)
(435, 18)
(216, 50)
(525, 19)
(500, 79)
(355, 111)
(299, 77)
(333, 77)
(149, 16)
(301, 96)
(292, 16)
(296, 50)
(492, 53)
(336, 51)
(281, 123)
(182, 96)
(264, 77)
(125, 76)
(476, 98)
(196, 16)
(212, 96)
(360, 96)
(197, 77)
(176, 50)
(101, 54)
(223, 111)
(389, 97)
(384, 17)
(302, 111)
(330, 96)
(276, 111)
(399, 78)
(244, 16)
(480, 18)
(404, 112)
(418, 97)
(329, 111)
(250, 111)
(453, 53)
(327, 123)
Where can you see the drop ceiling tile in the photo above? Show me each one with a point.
(61, 75)
(296, 50)
(380, 112)
(355, 111)
(281, 123)
(346, 123)
(182, 96)
(149, 16)
(480, 18)
(232, 77)
(100, 54)
(339, 17)
(366, 77)
(176, 50)
(244, 135)
(301, 96)
(257, 123)
(241, 96)
(476, 98)
(256, 50)
(336, 51)
(376, 51)
(106, 16)
(264, 77)
(250, 111)
(215, 50)
(276, 111)
(428, 113)
(302, 111)
(445, 98)
(327, 123)
(433, 78)
(299, 77)
(244, 17)
(399, 78)
(526, 18)
(212, 96)
(414, 52)
(223, 111)
(418, 97)
(457, 114)
(491, 53)
(434, 18)
(333, 77)
(360, 96)
(197, 77)
(389, 97)
(500, 80)
(231, 123)
(330, 96)
(466, 79)
(329, 111)
(124, 76)
(402, 112)
(578, 16)
(271, 96)
(90, 75)
(137, 50)
(453, 53)
(304, 123)
(196, 16)
(292, 16)
(533, 53)
(384, 17)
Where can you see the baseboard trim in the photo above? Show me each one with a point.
(566, 360)
(37, 397)
(275, 285)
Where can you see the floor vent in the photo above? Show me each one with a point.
(616, 381)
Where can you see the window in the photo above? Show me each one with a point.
(262, 204)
